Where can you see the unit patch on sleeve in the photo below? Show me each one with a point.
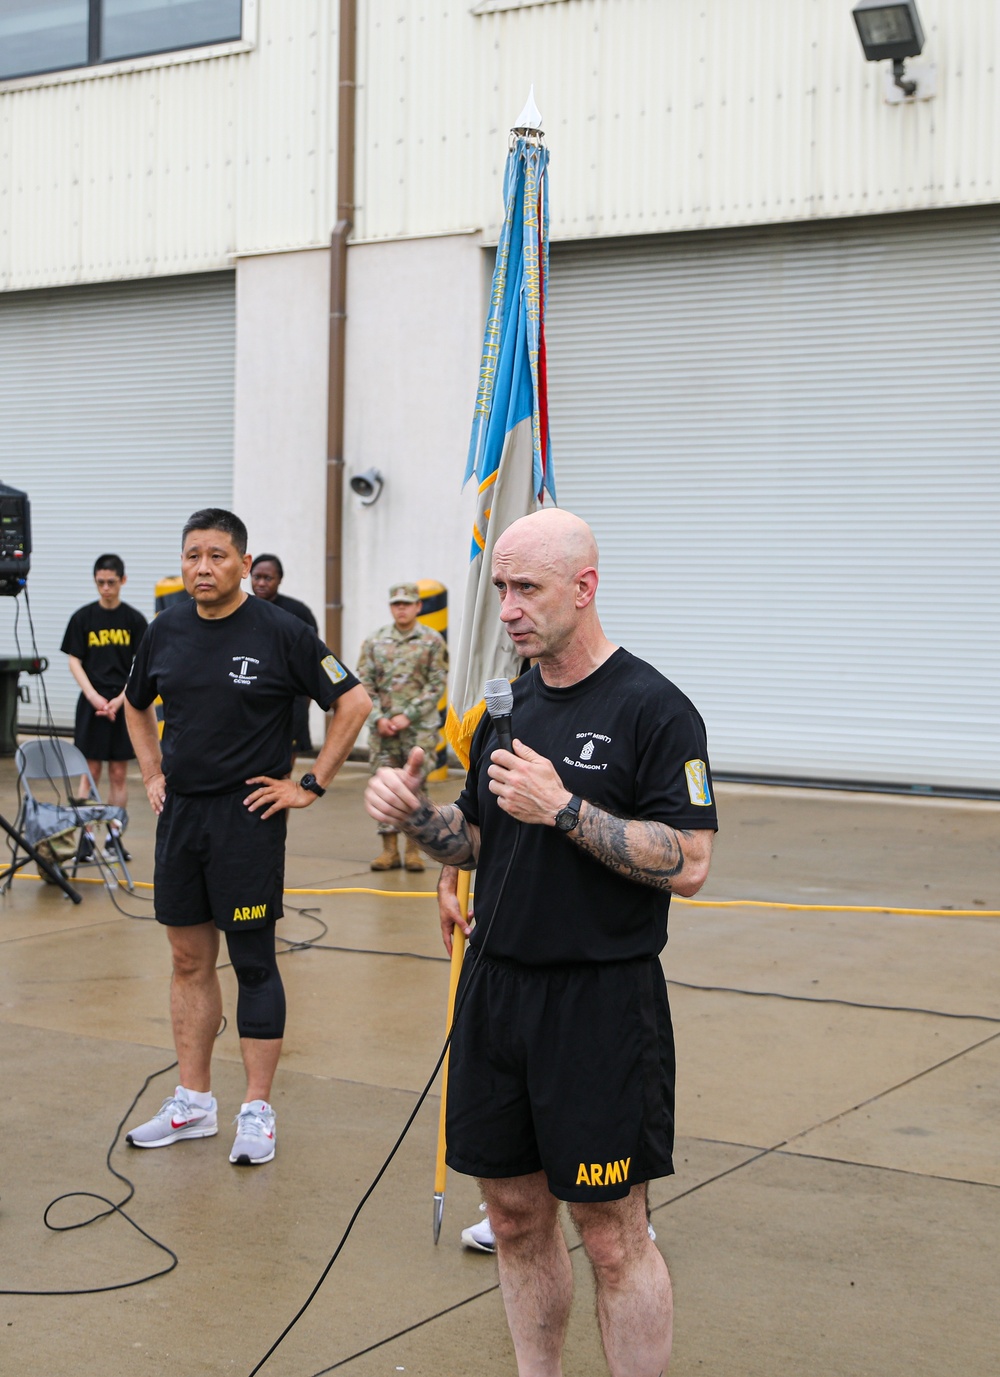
(697, 782)
(334, 669)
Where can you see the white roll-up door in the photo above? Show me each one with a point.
(788, 443)
(116, 417)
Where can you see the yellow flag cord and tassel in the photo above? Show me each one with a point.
(457, 953)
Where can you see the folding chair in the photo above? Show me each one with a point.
(53, 817)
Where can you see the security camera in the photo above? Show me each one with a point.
(367, 485)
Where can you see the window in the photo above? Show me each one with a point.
(48, 35)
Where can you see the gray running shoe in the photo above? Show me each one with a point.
(178, 1118)
(254, 1134)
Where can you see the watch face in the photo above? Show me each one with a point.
(566, 819)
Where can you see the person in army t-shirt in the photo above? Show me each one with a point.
(404, 668)
(561, 1073)
(228, 668)
(101, 641)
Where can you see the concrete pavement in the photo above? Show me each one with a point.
(837, 1198)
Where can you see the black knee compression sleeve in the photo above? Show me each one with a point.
(260, 1009)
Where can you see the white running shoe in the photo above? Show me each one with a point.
(650, 1230)
(178, 1118)
(479, 1236)
(254, 1134)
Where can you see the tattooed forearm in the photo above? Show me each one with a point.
(445, 834)
(651, 853)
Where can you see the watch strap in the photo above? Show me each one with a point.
(567, 818)
(308, 781)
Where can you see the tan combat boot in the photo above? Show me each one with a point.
(414, 860)
(389, 859)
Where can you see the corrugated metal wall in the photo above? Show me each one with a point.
(660, 116)
(786, 441)
(117, 407)
(174, 167)
(666, 116)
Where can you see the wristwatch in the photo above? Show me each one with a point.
(568, 817)
(309, 782)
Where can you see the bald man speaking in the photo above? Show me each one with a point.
(561, 1085)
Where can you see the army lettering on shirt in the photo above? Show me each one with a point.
(105, 642)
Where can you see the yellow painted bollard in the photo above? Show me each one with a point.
(434, 613)
(168, 590)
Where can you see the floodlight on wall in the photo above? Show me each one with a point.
(367, 485)
(890, 29)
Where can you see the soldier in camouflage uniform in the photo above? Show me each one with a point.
(404, 668)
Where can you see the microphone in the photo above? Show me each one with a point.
(499, 705)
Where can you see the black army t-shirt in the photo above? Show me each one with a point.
(105, 642)
(626, 739)
(228, 686)
(296, 609)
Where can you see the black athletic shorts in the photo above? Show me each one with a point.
(563, 1069)
(98, 737)
(218, 862)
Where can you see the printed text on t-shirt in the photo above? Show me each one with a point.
(586, 751)
(242, 676)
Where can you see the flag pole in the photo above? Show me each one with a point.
(457, 953)
(509, 455)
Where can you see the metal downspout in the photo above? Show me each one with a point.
(336, 385)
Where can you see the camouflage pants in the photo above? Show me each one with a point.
(392, 751)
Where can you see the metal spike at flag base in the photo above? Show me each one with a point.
(509, 452)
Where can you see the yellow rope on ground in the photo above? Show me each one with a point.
(843, 908)
(384, 893)
(677, 899)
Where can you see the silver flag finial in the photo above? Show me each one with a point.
(529, 121)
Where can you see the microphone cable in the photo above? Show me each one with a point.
(476, 957)
(113, 1207)
(291, 946)
(117, 1207)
